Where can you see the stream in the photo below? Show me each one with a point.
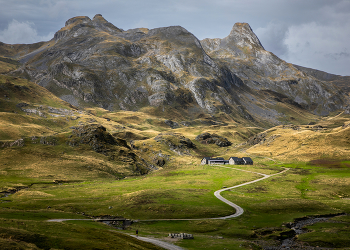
(298, 227)
(6, 194)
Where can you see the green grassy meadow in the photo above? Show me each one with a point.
(187, 192)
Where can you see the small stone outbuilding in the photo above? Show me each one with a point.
(236, 161)
(247, 161)
(205, 160)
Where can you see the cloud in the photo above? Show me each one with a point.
(336, 56)
(22, 32)
(316, 36)
(273, 38)
(323, 47)
(55, 8)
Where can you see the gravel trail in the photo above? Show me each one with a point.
(160, 243)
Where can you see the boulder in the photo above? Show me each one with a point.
(16, 143)
(171, 124)
(176, 142)
(207, 138)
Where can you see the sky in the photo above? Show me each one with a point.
(309, 33)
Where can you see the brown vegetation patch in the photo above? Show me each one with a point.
(329, 163)
(33, 194)
(169, 174)
(258, 189)
(143, 197)
(129, 135)
(301, 171)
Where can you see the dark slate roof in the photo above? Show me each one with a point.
(216, 159)
(236, 158)
(247, 158)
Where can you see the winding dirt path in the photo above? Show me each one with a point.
(239, 210)
(160, 243)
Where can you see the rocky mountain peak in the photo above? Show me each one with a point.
(98, 16)
(79, 25)
(240, 43)
(80, 19)
(176, 35)
(72, 25)
(103, 24)
(243, 35)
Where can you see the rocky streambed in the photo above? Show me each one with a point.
(5, 194)
(288, 240)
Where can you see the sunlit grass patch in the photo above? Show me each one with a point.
(182, 193)
(68, 235)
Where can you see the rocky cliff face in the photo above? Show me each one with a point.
(92, 62)
(242, 52)
(343, 82)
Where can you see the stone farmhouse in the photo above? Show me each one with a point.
(231, 161)
(247, 161)
(210, 161)
(235, 161)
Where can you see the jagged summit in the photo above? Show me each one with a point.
(77, 19)
(243, 35)
(84, 25)
(92, 62)
(241, 42)
(99, 17)
(103, 24)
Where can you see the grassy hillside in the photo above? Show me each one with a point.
(17, 50)
(327, 138)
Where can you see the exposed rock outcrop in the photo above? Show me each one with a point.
(262, 138)
(97, 137)
(171, 123)
(16, 143)
(207, 138)
(103, 142)
(176, 142)
(259, 69)
(256, 139)
(48, 140)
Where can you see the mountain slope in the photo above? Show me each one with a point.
(93, 63)
(326, 139)
(343, 82)
(242, 52)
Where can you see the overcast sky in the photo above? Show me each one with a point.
(310, 33)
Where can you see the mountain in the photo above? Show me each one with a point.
(94, 63)
(341, 81)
